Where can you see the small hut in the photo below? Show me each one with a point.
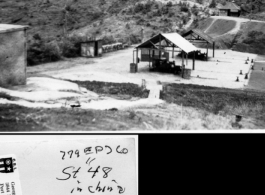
(91, 48)
(13, 55)
(229, 9)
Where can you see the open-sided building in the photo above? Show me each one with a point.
(158, 48)
(198, 36)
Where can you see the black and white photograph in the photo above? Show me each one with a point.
(69, 165)
(129, 65)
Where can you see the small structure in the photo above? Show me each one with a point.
(13, 54)
(229, 9)
(156, 50)
(198, 36)
(91, 48)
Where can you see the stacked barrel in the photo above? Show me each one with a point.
(133, 68)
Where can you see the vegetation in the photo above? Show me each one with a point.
(216, 100)
(253, 43)
(53, 22)
(132, 90)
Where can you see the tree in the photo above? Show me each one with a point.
(213, 4)
(200, 1)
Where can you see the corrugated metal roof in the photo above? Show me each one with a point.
(174, 38)
(228, 5)
(10, 27)
(206, 37)
(180, 42)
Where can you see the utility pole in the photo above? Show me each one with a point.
(251, 4)
(142, 34)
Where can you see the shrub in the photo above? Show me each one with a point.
(213, 4)
(169, 4)
(70, 47)
(108, 39)
(41, 51)
(184, 9)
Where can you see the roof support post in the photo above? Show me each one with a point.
(193, 63)
(207, 53)
(149, 59)
(186, 59)
(136, 60)
(213, 48)
(133, 55)
(173, 52)
(160, 46)
(182, 58)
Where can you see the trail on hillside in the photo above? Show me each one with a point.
(206, 30)
(189, 23)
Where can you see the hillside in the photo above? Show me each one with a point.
(239, 34)
(57, 27)
(52, 22)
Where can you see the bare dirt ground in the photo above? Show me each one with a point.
(221, 71)
(111, 112)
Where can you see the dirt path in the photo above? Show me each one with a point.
(191, 3)
(189, 23)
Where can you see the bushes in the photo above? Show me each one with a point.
(184, 9)
(254, 43)
(43, 50)
(70, 47)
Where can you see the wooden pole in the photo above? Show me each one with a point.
(213, 48)
(207, 53)
(149, 58)
(136, 60)
(182, 58)
(133, 56)
(186, 59)
(193, 64)
(173, 52)
(159, 46)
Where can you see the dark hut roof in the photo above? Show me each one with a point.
(228, 5)
(200, 33)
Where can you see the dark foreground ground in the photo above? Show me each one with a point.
(225, 102)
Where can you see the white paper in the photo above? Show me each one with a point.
(76, 167)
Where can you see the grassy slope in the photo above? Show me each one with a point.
(224, 40)
(218, 101)
(204, 24)
(255, 46)
(162, 117)
(220, 27)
